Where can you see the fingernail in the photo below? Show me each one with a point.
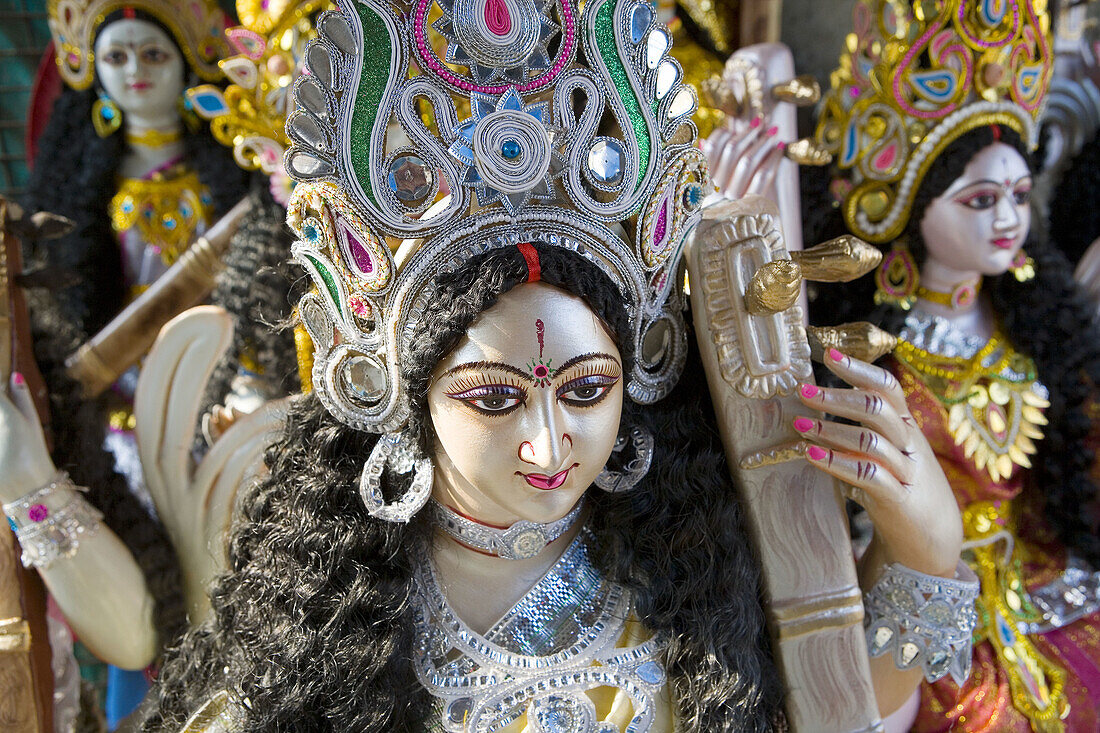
(803, 424)
(835, 355)
(772, 130)
(756, 121)
(816, 453)
(781, 145)
(809, 391)
(17, 377)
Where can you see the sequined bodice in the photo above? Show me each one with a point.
(561, 640)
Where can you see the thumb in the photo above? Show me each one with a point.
(21, 396)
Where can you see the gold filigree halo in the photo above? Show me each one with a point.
(196, 25)
(250, 115)
(914, 77)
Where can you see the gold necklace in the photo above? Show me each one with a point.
(963, 295)
(153, 138)
(167, 209)
(994, 416)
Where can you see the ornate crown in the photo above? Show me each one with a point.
(196, 25)
(914, 77)
(250, 115)
(579, 137)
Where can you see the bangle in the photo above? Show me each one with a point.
(50, 521)
(924, 620)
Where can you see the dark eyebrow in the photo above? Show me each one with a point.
(586, 357)
(488, 365)
(990, 182)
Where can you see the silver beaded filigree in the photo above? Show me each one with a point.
(543, 79)
(520, 541)
(924, 620)
(557, 642)
(1073, 594)
(50, 522)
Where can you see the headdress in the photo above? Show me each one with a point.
(196, 25)
(250, 115)
(579, 136)
(914, 77)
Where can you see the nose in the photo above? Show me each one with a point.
(1007, 217)
(132, 63)
(549, 445)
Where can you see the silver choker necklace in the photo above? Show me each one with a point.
(522, 540)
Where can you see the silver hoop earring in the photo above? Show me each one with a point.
(635, 469)
(397, 452)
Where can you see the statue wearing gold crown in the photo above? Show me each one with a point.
(119, 159)
(932, 120)
(524, 491)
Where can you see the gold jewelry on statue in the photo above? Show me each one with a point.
(196, 26)
(153, 138)
(914, 77)
(963, 295)
(1023, 267)
(250, 115)
(167, 210)
(106, 116)
(1036, 683)
(993, 400)
(897, 278)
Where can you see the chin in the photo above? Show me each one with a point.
(548, 506)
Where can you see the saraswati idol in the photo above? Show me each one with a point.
(932, 118)
(505, 505)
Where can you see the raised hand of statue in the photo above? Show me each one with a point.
(887, 465)
(25, 463)
(744, 157)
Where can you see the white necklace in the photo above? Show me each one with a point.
(522, 540)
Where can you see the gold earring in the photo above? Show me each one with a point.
(1022, 267)
(106, 116)
(897, 278)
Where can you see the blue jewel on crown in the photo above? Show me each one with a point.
(509, 151)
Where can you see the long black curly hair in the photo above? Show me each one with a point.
(1074, 215)
(313, 623)
(1048, 318)
(75, 176)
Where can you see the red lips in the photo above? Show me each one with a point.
(1004, 243)
(546, 483)
(140, 86)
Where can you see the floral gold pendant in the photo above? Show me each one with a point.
(997, 425)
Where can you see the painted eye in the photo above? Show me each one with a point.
(1022, 196)
(114, 57)
(586, 391)
(491, 399)
(154, 55)
(982, 200)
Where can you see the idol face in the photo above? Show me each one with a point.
(980, 222)
(140, 68)
(526, 408)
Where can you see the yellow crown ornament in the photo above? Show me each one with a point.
(197, 26)
(250, 115)
(914, 77)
